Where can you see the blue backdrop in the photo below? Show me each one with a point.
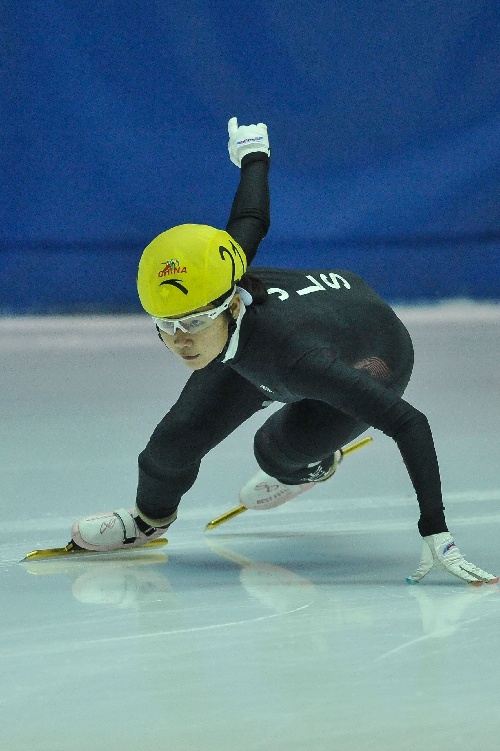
(384, 120)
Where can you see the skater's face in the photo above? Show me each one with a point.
(198, 350)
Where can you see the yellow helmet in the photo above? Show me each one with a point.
(187, 267)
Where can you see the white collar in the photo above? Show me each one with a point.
(246, 299)
(245, 296)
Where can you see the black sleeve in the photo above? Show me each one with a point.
(250, 214)
(319, 375)
(213, 403)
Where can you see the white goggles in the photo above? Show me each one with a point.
(195, 322)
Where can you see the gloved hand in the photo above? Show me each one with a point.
(245, 139)
(440, 550)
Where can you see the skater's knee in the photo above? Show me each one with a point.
(279, 460)
(270, 456)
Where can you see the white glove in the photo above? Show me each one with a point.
(440, 550)
(245, 139)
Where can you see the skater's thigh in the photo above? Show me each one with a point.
(213, 403)
(309, 430)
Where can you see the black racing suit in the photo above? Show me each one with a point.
(327, 346)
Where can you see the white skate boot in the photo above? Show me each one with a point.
(114, 530)
(263, 492)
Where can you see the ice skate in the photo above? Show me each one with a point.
(263, 492)
(111, 530)
(114, 530)
(71, 549)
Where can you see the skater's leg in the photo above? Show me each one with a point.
(214, 402)
(301, 444)
(297, 444)
(296, 447)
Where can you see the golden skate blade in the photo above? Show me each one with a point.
(358, 445)
(225, 517)
(70, 549)
(237, 510)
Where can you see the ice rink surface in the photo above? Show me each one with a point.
(286, 630)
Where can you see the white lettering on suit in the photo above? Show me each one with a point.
(332, 280)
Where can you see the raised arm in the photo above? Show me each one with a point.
(249, 219)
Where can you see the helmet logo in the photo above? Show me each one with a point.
(175, 283)
(172, 267)
(225, 251)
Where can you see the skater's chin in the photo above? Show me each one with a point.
(195, 362)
